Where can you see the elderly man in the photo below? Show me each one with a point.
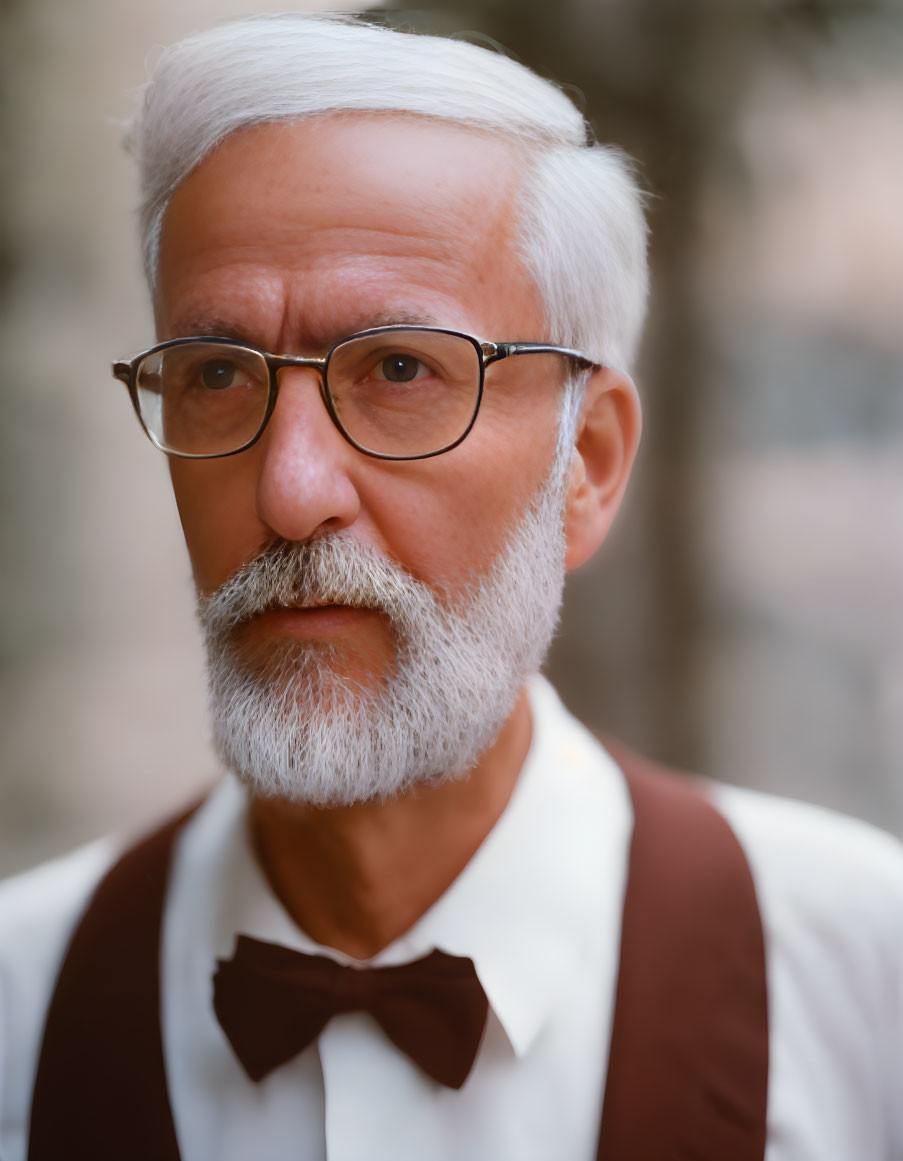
(397, 296)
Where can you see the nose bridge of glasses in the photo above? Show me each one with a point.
(314, 362)
(317, 363)
(300, 403)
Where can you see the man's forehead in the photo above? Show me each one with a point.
(366, 219)
(434, 161)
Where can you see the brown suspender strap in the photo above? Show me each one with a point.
(688, 1066)
(100, 1091)
(688, 1069)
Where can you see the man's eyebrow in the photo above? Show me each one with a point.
(218, 327)
(400, 318)
(322, 337)
(212, 326)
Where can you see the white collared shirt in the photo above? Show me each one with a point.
(538, 910)
(529, 915)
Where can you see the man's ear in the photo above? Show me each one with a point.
(608, 433)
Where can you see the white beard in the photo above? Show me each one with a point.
(294, 728)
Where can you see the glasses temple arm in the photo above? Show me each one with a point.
(493, 352)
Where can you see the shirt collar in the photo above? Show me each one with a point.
(527, 908)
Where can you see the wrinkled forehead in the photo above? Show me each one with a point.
(376, 212)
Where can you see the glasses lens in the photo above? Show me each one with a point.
(203, 398)
(405, 392)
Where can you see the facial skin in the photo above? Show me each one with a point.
(291, 236)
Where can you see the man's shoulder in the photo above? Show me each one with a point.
(39, 908)
(815, 858)
(830, 892)
(35, 903)
(38, 911)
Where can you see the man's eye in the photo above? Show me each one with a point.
(217, 374)
(402, 369)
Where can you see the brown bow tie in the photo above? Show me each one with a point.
(273, 1001)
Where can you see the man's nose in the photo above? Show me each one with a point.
(305, 486)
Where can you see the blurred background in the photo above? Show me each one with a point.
(746, 617)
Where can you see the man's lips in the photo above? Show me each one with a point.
(311, 620)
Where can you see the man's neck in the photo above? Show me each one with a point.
(356, 878)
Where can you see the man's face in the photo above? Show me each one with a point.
(293, 236)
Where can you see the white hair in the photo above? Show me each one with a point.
(582, 231)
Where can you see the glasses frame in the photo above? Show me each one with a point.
(488, 352)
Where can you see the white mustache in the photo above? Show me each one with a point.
(331, 570)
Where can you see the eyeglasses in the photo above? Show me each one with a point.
(394, 392)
